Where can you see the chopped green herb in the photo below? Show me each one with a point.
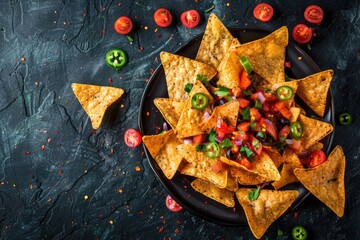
(254, 194)
(203, 79)
(247, 152)
(220, 93)
(226, 143)
(212, 135)
(188, 87)
(260, 135)
(246, 113)
(247, 92)
(209, 9)
(282, 138)
(200, 148)
(332, 180)
(130, 38)
(308, 46)
(268, 90)
(314, 116)
(252, 125)
(258, 104)
(230, 99)
(280, 233)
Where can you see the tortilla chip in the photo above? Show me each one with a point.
(170, 109)
(295, 112)
(210, 190)
(274, 155)
(181, 70)
(168, 158)
(313, 90)
(228, 111)
(262, 165)
(267, 55)
(155, 142)
(95, 100)
(229, 70)
(232, 182)
(269, 206)
(313, 130)
(258, 81)
(291, 161)
(192, 120)
(315, 146)
(246, 178)
(215, 42)
(326, 181)
(204, 164)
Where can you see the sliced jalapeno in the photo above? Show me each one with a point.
(199, 101)
(212, 150)
(284, 93)
(296, 130)
(345, 119)
(246, 64)
(299, 233)
(116, 58)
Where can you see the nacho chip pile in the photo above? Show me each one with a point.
(236, 126)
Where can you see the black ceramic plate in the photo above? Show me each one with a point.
(151, 120)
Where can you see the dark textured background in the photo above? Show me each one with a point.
(50, 158)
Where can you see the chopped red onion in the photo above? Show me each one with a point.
(261, 97)
(206, 115)
(289, 141)
(188, 141)
(218, 138)
(264, 184)
(165, 126)
(233, 97)
(238, 142)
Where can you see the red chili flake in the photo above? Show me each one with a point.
(157, 36)
(49, 140)
(224, 16)
(177, 230)
(314, 34)
(84, 14)
(103, 31)
(110, 80)
(147, 80)
(42, 147)
(119, 4)
(206, 202)
(60, 171)
(288, 64)
(72, 222)
(97, 238)
(172, 36)
(161, 229)
(112, 151)
(49, 200)
(358, 53)
(27, 152)
(22, 59)
(115, 174)
(234, 209)
(296, 214)
(178, 222)
(152, 71)
(93, 131)
(237, 21)
(141, 212)
(141, 48)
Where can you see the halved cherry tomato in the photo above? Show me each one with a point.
(317, 157)
(314, 14)
(198, 139)
(266, 106)
(245, 81)
(244, 126)
(270, 127)
(190, 18)
(172, 205)
(254, 113)
(162, 17)
(123, 25)
(284, 132)
(243, 103)
(263, 12)
(218, 166)
(132, 138)
(302, 33)
(245, 162)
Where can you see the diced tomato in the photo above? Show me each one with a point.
(255, 113)
(284, 132)
(270, 127)
(244, 126)
(243, 102)
(245, 81)
(285, 112)
(317, 157)
(270, 97)
(281, 106)
(253, 96)
(198, 139)
(218, 166)
(266, 106)
(221, 126)
(236, 92)
(296, 144)
(245, 162)
(256, 145)
(172, 205)
(241, 135)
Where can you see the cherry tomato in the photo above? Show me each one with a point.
(263, 12)
(132, 138)
(270, 127)
(245, 81)
(172, 205)
(123, 25)
(162, 17)
(198, 139)
(317, 157)
(314, 14)
(190, 18)
(284, 132)
(302, 33)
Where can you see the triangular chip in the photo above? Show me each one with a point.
(192, 120)
(95, 100)
(295, 112)
(269, 206)
(313, 90)
(228, 111)
(291, 161)
(267, 55)
(168, 158)
(274, 155)
(204, 164)
(313, 130)
(170, 109)
(155, 142)
(212, 191)
(246, 178)
(229, 70)
(215, 42)
(181, 70)
(315, 146)
(326, 181)
(232, 183)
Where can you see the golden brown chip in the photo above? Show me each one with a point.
(232, 182)
(95, 100)
(155, 142)
(192, 120)
(215, 42)
(315, 146)
(181, 70)
(247, 178)
(313, 130)
(269, 206)
(267, 55)
(258, 81)
(295, 112)
(212, 191)
(204, 164)
(313, 90)
(326, 181)
(229, 70)
(170, 109)
(168, 158)
(228, 111)
(190, 170)
(274, 155)
(291, 161)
